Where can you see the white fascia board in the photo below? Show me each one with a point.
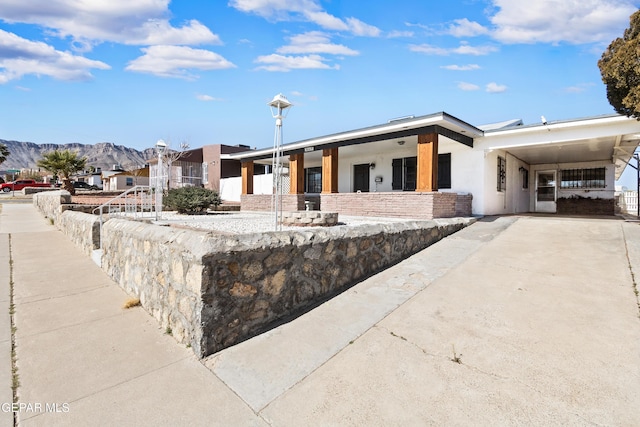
(587, 122)
(435, 119)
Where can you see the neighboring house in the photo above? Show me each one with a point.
(118, 180)
(91, 178)
(199, 167)
(440, 166)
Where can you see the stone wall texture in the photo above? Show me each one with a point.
(75, 221)
(49, 203)
(83, 229)
(213, 291)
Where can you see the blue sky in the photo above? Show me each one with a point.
(134, 71)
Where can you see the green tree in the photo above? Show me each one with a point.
(620, 70)
(4, 153)
(63, 163)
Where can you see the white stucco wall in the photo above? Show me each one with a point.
(231, 188)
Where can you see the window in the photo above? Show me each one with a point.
(444, 170)
(583, 178)
(405, 172)
(313, 180)
(205, 172)
(129, 182)
(525, 178)
(502, 174)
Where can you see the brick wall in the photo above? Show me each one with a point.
(262, 202)
(585, 206)
(427, 205)
(463, 204)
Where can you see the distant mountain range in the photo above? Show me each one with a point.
(102, 155)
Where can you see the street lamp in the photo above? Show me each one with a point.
(279, 109)
(161, 146)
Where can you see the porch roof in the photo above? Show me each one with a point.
(441, 123)
(609, 138)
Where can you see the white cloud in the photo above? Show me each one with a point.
(466, 28)
(206, 98)
(399, 34)
(468, 67)
(467, 86)
(20, 57)
(176, 61)
(429, 49)
(555, 21)
(359, 28)
(315, 42)
(89, 22)
(304, 10)
(579, 88)
(495, 88)
(283, 63)
(463, 49)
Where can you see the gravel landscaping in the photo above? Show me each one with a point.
(252, 222)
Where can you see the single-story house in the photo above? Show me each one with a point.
(440, 166)
(120, 180)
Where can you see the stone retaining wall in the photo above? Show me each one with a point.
(83, 229)
(49, 203)
(213, 291)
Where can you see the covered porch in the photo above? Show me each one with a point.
(399, 169)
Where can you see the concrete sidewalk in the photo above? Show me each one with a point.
(511, 321)
(91, 361)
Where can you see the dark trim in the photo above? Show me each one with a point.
(463, 139)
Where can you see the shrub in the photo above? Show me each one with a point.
(191, 199)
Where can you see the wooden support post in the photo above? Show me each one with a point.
(296, 173)
(247, 177)
(427, 162)
(330, 170)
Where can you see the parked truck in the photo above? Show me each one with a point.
(20, 184)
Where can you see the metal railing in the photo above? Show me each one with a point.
(136, 202)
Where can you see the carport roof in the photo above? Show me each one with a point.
(609, 138)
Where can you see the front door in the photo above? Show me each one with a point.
(361, 177)
(546, 191)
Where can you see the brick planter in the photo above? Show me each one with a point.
(585, 206)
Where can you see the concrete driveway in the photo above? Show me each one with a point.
(529, 320)
(536, 324)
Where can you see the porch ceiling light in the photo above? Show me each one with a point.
(400, 142)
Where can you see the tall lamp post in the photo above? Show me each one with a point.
(279, 109)
(161, 146)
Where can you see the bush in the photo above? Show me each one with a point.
(191, 199)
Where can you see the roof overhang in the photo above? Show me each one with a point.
(441, 123)
(611, 138)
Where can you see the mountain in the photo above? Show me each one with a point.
(103, 155)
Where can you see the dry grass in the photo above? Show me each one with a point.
(131, 302)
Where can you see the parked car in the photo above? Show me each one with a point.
(20, 184)
(81, 185)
